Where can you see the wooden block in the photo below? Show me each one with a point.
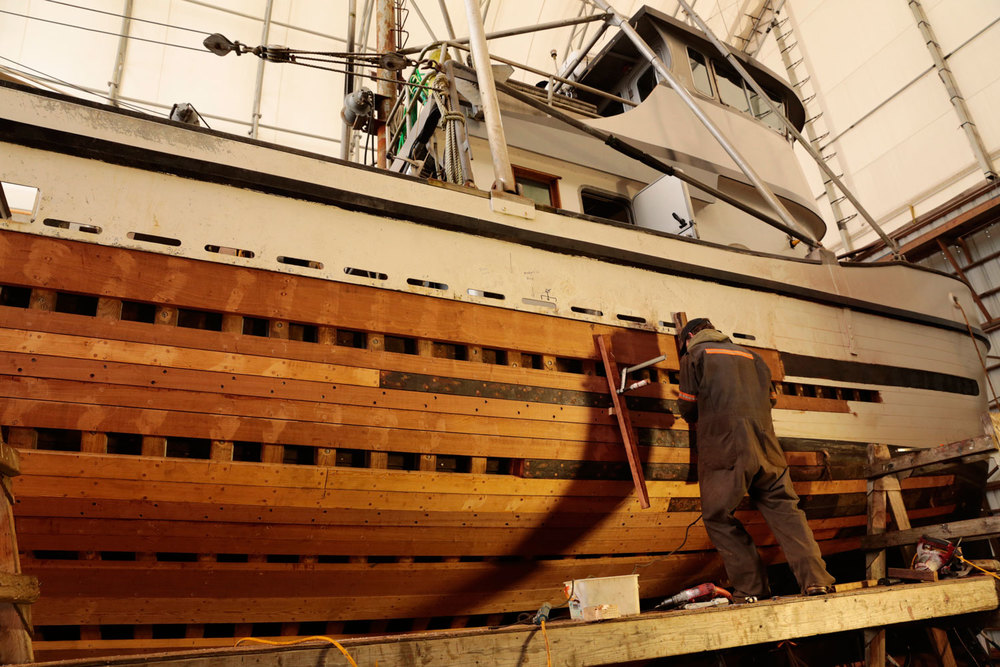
(222, 450)
(94, 442)
(18, 588)
(10, 460)
(232, 323)
(326, 456)
(428, 462)
(109, 309)
(22, 438)
(477, 465)
(855, 585)
(278, 329)
(326, 335)
(166, 315)
(153, 445)
(194, 630)
(270, 453)
(912, 575)
(378, 460)
(42, 299)
(15, 640)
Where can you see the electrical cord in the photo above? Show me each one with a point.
(270, 642)
(678, 548)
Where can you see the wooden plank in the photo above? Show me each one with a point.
(94, 442)
(944, 454)
(61, 345)
(42, 299)
(646, 637)
(109, 309)
(65, 324)
(604, 345)
(875, 561)
(912, 575)
(983, 527)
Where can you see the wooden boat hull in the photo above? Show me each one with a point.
(218, 444)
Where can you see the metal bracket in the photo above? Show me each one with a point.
(638, 367)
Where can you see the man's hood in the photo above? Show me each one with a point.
(708, 336)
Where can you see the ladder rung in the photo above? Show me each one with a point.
(807, 100)
(836, 201)
(799, 84)
(826, 158)
(847, 219)
(789, 48)
(820, 137)
(814, 118)
(830, 180)
(796, 63)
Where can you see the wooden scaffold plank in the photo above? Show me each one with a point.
(648, 636)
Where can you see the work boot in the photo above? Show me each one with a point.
(818, 590)
(743, 598)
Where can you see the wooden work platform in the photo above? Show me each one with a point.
(650, 635)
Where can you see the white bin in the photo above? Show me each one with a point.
(621, 591)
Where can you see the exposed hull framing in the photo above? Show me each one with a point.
(400, 420)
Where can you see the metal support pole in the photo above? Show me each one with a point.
(513, 32)
(385, 36)
(259, 83)
(115, 84)
(345, 131)
(951, 85)
(567, 71)
(502, 171)
(726, 53)
(685, 96)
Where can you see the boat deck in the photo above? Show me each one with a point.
(650, 635)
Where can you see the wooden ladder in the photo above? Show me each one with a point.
(884, 473)
(624, 418)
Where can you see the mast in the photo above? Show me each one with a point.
(385, 35)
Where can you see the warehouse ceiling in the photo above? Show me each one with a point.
(882, 112)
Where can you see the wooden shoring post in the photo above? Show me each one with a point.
(623, 417)
(875, 560)
(15, 609)
(887, 486)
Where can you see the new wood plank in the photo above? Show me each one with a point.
(28, 342)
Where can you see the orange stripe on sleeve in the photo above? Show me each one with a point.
(684, 396)
(735, 353)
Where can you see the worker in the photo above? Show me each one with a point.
(726, 397)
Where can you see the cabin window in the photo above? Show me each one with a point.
(538, 186)
(605, 205)
(699, 72)
(731, 90)
(646, 82)
(762, 113)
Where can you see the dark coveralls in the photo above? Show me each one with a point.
(727, 390)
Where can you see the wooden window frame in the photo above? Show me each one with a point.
(540, 177)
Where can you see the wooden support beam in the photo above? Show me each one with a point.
(644, 637)
(943, 454)
(984, 527)
(15, 589)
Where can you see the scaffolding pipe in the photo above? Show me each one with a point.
(954, 94)
(513, 32)
(258, 88)
(502, 171)
(569, 68)
(894, 247)
(345, 130)
(114, 86)
(765, 192)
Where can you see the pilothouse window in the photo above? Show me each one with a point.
(605, 205)
(699, 72)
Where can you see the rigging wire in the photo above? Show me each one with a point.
(130, 18)
(53, 79)
(103, 32)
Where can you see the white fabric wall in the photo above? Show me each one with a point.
(897, 138)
